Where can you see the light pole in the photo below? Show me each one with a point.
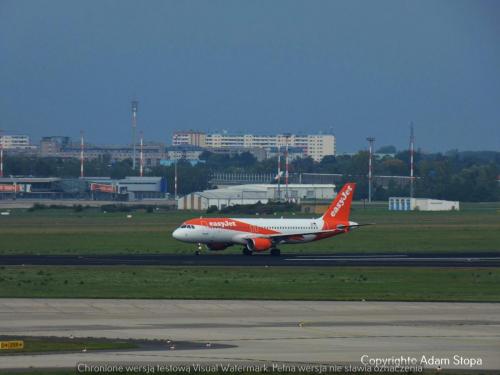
(175, 179)
(1, 154)
(412, 151)
(370, 142)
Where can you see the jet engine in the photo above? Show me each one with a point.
(259, 244)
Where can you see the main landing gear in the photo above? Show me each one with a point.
(275, 252)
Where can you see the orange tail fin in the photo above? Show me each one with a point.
(340, 208)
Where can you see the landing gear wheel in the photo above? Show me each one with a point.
(247, 252)
(275, 252)
(198, 252)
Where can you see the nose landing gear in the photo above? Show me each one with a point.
(198, 252)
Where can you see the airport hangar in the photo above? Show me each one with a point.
(254, 193)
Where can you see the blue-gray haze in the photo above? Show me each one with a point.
(354, 68)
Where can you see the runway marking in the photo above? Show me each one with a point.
(356, 256)
(395, 259)
(353, 336)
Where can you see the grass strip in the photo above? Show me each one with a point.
(281, 283)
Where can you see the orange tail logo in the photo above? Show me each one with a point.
(340, 208)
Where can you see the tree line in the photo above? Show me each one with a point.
(454, 175)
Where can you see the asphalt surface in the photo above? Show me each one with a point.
(470, 259)
(259, 332)
(141, 344)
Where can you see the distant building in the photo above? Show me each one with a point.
(422, 204)
(251, 194)
(316, 146)
(62, 147)
(188, 152)
(258, 152)
(15, 142)
(170, 162)
(189, 137)
(293, 153)
(53, 144)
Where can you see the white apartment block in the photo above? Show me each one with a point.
(314, 145)
(190, 137)
(8, 141)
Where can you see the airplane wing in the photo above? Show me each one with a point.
(283, 236)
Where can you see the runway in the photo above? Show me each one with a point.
(260, 332)
(469, 259)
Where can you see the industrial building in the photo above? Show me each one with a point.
(130, 188)
(422, 204)
(251, 194)
(95, 188)
(316, 146)
(31, 187)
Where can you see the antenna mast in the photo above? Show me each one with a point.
(81, 154)
(279, 174)
(286, 172)
(141, 166)
(135, 105)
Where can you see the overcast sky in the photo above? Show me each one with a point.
(354, 68)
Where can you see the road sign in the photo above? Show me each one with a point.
(18, 344)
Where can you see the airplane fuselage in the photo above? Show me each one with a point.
(260, 234)
(239, 230)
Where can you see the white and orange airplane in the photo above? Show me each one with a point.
(261, 234)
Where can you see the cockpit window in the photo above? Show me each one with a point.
(183, 226)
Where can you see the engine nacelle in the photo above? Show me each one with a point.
(259, 244)
(218, 246)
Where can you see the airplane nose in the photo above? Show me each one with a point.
(176, 234)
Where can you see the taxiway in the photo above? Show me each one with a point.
(258, 331)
